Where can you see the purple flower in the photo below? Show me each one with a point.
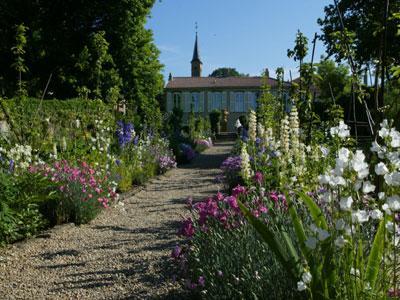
(187, 228)
(124, 133)
(232, 201)
(238, 190)
(176, 252)
(220, 273)
(12, 165)
(202, 281)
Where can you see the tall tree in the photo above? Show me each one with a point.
(364, 19)
(226, 72)
(124, 57)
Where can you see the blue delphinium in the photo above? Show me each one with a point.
(124, 133)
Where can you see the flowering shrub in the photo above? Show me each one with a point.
(84, 190)
(231, 168)
(166, 163)
(203, 144)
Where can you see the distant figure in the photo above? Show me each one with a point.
(238, 126)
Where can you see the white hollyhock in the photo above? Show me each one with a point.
(381, 169)
(368, 187)
(395, 136)
(345, 203)
(252, 126)
(301, 286)
(340, 241)
(311, 243)
(360, 216)
(340, 224)
(393, 202)
(376, 214)
(322, 234)
(245, 164)
(306, 277)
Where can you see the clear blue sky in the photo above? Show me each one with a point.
(248, 35)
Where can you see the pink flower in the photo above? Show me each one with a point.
(238, 190)
(187, 228)
(220, 196)
(258, 177)
(232, 201)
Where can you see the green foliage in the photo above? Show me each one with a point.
(270, 108)
(300, 49)
(364, 21)
(19, 51)
(237, 265)
(93, 49)
(227, 72)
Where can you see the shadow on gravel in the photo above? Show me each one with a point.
(52, 255)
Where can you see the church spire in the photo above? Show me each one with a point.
(196, 62)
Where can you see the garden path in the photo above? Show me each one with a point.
(122, 254)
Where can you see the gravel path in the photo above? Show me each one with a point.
(120, 255)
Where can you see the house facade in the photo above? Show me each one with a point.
(234, 96)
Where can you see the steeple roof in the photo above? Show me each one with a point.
(196, 55)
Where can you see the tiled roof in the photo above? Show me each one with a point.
(215, 82)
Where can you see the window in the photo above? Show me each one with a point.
(177, 100)
(239, 102)
(216, 101)
(252, 101)
(195, 102)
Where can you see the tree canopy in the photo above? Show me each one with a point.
(363, 20)
(227, 72)
(99, 49)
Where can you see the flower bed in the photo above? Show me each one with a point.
(332, 229)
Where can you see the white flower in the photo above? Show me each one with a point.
(389, 226)
(354, 272)
(340, 241)
(325, 197)
(368, 187)
(324, 179)
(360, 216)
(306, 277)
(375, 147)
(393, 202)
(381, 169)
(376, 214)
(381, 195)
(383, 132)
(311, 243)
(357, 185)
(252, 126)
(392, 179)
(340, 223)
(246, 169)
(301, 286)
(324, 151)
(345, 203)
(386, 208)
(395, 135)
(343, 154)
(322, 234)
